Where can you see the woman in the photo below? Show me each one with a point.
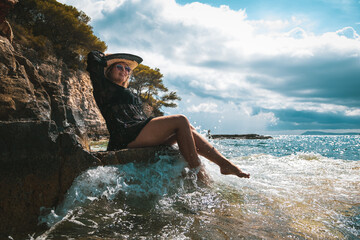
(129, 127)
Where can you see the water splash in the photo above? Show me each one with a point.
(300, 195)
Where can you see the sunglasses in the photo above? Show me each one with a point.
(121, 67)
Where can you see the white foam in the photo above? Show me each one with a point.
(141, 180)
(304, 191)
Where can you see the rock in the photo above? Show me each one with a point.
(38, 165)
(71, 95)
(239, 136)
(124, 156)
(5, 28)
(44, 119)
(22, 95)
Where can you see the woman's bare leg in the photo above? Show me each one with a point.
(205, 149)
(161, 129)
(176, 128)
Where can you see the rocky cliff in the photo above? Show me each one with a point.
(46, 112)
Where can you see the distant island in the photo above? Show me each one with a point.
(327, 133)
(238, 136)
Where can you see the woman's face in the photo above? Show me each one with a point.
(120, 73)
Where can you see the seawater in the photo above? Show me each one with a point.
(301, 187)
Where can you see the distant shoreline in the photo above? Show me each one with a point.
(238, 136)
(328, 133)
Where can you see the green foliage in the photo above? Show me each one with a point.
(40, 44)
(147, 84)
(47, 24)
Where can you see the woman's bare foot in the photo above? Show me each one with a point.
(233, 170)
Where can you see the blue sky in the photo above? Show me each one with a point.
(318, 15)
(245, 66)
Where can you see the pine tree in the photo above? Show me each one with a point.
(47, 25)
(147, 83)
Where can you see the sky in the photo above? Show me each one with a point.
(242, 67)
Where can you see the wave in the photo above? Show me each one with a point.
(299, 195)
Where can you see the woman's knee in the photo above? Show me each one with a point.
(182, 120)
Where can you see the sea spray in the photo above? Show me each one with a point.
(298, 189)
(152, 197)
(305, 194)
(140, 180)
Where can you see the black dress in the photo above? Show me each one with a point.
(121, 109)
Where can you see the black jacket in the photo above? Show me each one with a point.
(121, 109)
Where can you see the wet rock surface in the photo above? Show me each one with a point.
(38, 165)
(124, 156)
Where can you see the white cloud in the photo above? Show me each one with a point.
(297, 33)
(204, 107)
(353, 112)
(228, 117)
(94, 8)
(269, 118)
(348, 32)
(219, 54)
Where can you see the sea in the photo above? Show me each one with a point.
(301, 187)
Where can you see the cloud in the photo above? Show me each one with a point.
(348, 32)
(355, 112)
(297, 33)
(228, 118)
(94, 8)
(204, 107)
(217, 55)
(294, 120)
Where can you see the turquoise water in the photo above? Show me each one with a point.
(301, 187)
(346, 147)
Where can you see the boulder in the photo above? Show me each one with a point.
(147, 154)
(38, 165)
(43, 136)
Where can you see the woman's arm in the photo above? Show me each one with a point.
(95, 66)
